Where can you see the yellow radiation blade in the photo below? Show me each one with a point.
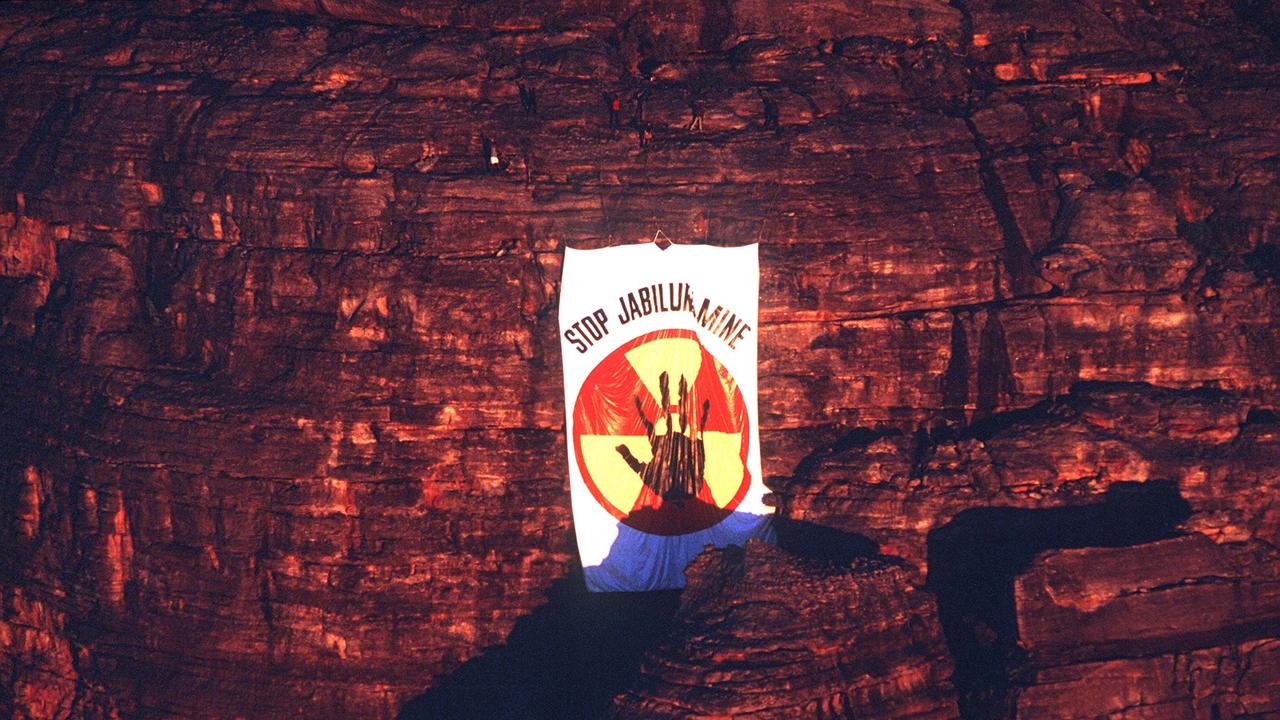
(674, 356)
(619, 484)
(723, 471)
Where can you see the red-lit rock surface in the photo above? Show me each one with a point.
(1145, 446)
(1093, 603)
(281, 405)
(1179, 628)
(1239, 680)
(1096, 536)
(761, 633)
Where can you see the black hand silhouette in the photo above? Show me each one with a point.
(679, 458)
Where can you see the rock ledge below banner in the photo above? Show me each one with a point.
(765, 633)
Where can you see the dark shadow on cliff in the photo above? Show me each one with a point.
(573, 654)
(567, 659)
(974, 559)
(822, 543)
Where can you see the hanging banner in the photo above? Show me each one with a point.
(659, 354)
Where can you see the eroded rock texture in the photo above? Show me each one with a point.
(763, 633)
(1077, 540)
(1180, 628)
(281, 409)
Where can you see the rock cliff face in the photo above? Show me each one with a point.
(762, 633)
(1105, 527)
(281, 417)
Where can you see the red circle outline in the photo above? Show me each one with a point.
(592, 380)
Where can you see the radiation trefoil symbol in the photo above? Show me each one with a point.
(661, 435)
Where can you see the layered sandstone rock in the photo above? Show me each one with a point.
(1102, 463)
(1075, 605)
(281, 414)
(763, 633)
(1234, 680)
(1154, 508)
(1180, 628)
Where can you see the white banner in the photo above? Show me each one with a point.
(659, 354)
